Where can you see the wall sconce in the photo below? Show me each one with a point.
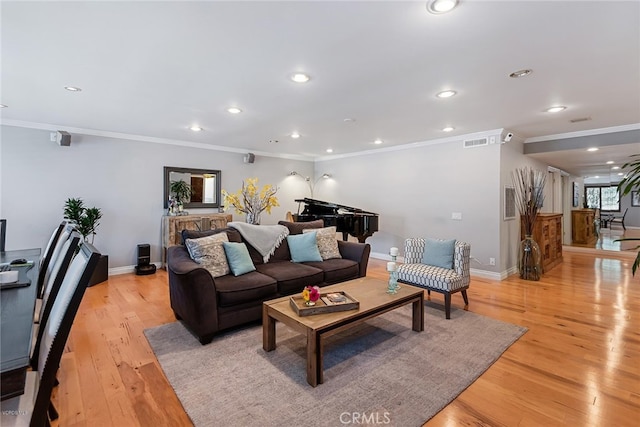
(308, 180)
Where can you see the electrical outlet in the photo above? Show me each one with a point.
(492, 261)
(53, 137)
(456, 215)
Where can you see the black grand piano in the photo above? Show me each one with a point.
(348, 220)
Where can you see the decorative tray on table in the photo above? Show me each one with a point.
(328, 303)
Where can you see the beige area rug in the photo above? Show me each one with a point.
(380, 372)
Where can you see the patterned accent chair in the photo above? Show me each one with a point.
(443, 280)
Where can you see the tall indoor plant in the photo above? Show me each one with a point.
(86, 219)
(631, 182)
(529, 194)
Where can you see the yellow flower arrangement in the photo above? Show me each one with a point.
(250, 201)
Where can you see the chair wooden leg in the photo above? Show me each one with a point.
(464, 296)
(447, 305)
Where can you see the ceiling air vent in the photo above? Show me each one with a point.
(470, 143)
(581, 119)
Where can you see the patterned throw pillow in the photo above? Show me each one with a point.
(327, 242)
(208, 252)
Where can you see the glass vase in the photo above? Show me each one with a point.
(529, 259)
(253, 218)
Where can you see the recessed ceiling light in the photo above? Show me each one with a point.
(446, 94)
(448, 129)
(520, 73)
(377, 141)
(234, 110)
(610, 162)
(295, 135)
(593, 149)
(620, 174)
(73, 89)
(3, 106)
(329, 150)
(349, 120)
(615, 168)
(597, 176)
(441, 6)
(195, 128)
(300, 77)
(555, 109)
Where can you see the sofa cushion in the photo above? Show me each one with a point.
(438, 253)
(327, 242)
(209, 252)
(232, 234)
(291, 277)
(249, 287)
(337, 270)
(238, 258)
(297, 227)
(304, 247)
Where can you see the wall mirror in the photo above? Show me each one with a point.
(204, 183)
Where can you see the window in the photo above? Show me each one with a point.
(605, 198)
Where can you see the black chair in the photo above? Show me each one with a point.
(48, 253)
(616, 219)
(3, 234)
(50, 292)
(32, 408)
(55, 252)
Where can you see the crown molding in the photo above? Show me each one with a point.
(142, 138)
(590, 132)
(412, 145)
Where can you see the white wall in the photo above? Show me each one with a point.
(415, 190)
(122, 177)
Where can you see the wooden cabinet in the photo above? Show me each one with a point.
(547, 233)
(172, 227)
(583, 230)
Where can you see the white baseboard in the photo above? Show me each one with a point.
(474, 272)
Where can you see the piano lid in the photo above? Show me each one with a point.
(319, 206)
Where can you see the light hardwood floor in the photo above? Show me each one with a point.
(578, 365)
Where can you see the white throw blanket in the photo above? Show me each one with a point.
(265, 238)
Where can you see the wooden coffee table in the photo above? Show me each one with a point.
(373, 298)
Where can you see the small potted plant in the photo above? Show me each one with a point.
(86, 219)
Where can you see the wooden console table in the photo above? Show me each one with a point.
(583, 230)
(547, 232)
(172, 227)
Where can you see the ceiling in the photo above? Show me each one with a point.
(154, 69)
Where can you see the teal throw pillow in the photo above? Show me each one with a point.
(304, 247)
(439, 253)
(238, 258)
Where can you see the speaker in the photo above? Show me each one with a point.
(249, 158)
(144, 254)
(63, 138)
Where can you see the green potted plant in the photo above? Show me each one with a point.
(86, 219)
(631, 182)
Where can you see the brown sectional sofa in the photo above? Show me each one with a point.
(207, 305)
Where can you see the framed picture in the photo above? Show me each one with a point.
(576, 195)
(635, 198)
